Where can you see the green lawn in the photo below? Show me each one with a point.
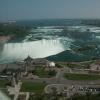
(70, 65)
(71, 76)
(73, 65)
(3, 83)
(41, 72)
(33, 87)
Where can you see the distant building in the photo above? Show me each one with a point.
(8, 69)
(52, 64)
(95, 67)
(31, 63)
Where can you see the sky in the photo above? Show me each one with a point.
(48, 9)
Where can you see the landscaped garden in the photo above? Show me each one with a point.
(41, 72)
(33, 87)
(70, 65)
(71, 76)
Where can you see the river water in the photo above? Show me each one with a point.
(36, 49)
(50, 40)
(46, 41)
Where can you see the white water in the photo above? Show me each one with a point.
(84, 28)
(35, 49)
(47, 29)
(54, 44)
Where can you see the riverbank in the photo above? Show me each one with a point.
(4, 39)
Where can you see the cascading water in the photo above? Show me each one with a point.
(44, 42)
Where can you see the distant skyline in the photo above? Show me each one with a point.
(49, 9)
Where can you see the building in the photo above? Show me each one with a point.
(21, 68)
(31, 63)
(95, 68)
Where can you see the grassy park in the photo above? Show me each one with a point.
(41, 72)
(70, 65)
(3, 83)
(71, 76)
(33, 87)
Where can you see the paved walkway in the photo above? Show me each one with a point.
(59, 87)
(27, 95)
(15, 90)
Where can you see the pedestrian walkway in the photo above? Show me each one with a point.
(15, 90)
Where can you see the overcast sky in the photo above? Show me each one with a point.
(44, 9)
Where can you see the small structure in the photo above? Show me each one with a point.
(95, 68)
(52, 64)
(10, 68)
(28, 60)
(11, 72)
(27, 63)
(13, 80)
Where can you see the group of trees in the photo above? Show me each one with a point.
(87, 96)
(13, 30)
(55, 96)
